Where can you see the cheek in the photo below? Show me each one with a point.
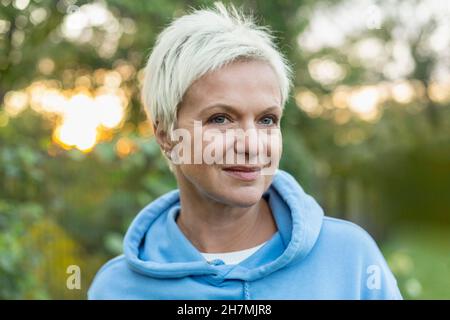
(274, 142)
(215, 146)
(280, 144)
(274, 145)
(199, 176)
(271, 145)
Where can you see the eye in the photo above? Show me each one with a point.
(218, 119)
(269, 120)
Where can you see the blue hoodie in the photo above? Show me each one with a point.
(311, 256)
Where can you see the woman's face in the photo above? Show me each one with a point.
(242, 98)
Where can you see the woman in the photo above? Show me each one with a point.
(241, 229)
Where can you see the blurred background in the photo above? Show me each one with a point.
(366, 131)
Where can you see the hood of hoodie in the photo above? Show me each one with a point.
(154, 245)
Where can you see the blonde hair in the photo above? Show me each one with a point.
(200, 42)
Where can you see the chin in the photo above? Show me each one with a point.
(237, 194)
(225, 188)
(243, 196)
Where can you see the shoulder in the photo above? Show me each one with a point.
(108, 278)
(349, 245)
(345, 231)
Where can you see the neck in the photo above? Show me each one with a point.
(214, 227)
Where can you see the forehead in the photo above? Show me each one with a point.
(245, 83)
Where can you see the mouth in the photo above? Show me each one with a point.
(244, 173)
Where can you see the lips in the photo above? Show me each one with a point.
(244, 173)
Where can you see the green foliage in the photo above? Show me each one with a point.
(409, 253)
(16, 257)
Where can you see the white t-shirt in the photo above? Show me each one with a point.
(233, 257)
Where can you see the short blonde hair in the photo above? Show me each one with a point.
(200, 42)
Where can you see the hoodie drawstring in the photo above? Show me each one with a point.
(246, 291)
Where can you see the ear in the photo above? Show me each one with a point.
(162, 136)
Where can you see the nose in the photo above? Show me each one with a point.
(246, 141)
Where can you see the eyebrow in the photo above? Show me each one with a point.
(233, 109)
